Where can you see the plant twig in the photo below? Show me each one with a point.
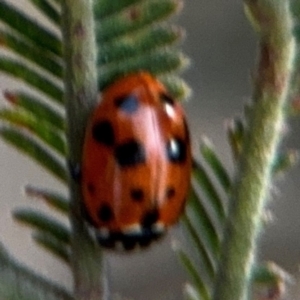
(81, 97)
(273, 21)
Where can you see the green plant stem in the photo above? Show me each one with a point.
(273, 21)
(81, 97)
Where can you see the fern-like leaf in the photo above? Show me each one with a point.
(202, 251)
(19, 283)
(104, 8)
(37, 107)
(31, 77)
(33, 53)
(53, 245)
(212, 178)
(196, 278)
(48, 10)
(35, 150)
(43, 223)
(209, 189)
(53, 199)
(215, 165)
(41, 37)
(132, 35)
(204, 231)
(37, 127)
(130, 46)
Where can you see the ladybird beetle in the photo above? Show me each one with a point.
(136, 163)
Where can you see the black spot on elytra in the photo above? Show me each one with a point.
(165, 98)
(130, 154)
(176, 150)
(103, 133)
(170, 192)
(137, 194)
(128, 103)
(150, 217)
(105, 213)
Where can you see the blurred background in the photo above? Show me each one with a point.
(221, 46)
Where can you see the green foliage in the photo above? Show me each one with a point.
(204, 221)
(132, 35)
(19, 283)
(33, 78)
(44, 223)
(215, 165)
(37, 108)
(53, 245)
(27, 28)
(199, 284)
(48, 9)
(35, 54)
(55, 200)
(206, 214)
(35, 150)
(49, 135)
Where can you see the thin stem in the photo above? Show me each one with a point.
(81, 97)
(273, 21)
